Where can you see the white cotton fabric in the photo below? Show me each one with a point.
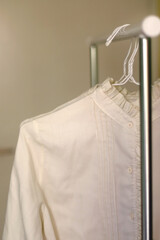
(76, 173)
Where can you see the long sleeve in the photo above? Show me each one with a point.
(23, 215)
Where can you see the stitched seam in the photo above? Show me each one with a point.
(106, 180)
(109, 184)
(115, 187)
(103, 177)
(80, 97)
(41, 163)
(101, 201)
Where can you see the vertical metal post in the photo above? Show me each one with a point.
(94, 64)
(146, 136)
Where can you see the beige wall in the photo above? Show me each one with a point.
(44, 59)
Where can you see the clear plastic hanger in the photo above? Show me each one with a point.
(126, 76)
(114, 33)
(124, 65)
(129, 77)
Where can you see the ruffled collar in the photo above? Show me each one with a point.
(120, 99)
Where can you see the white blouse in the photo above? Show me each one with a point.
(76, 174)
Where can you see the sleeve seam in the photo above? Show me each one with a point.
(40, 164)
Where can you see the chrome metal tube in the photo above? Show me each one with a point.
(146, 136)
(149, 27)
(94, 65)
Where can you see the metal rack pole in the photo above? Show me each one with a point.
(146, 136)
(94, 64)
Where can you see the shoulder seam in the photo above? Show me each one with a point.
(80, 97)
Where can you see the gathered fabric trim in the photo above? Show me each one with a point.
(128, 102)
(119, 96)
(138, 186)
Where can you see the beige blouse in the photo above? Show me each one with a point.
(76, 173)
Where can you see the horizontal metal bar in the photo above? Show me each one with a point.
(149, 27)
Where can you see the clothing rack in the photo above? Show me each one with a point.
(147, 29)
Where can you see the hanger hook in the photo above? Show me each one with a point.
(114, 33)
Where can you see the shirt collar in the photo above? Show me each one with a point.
(122, 105)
